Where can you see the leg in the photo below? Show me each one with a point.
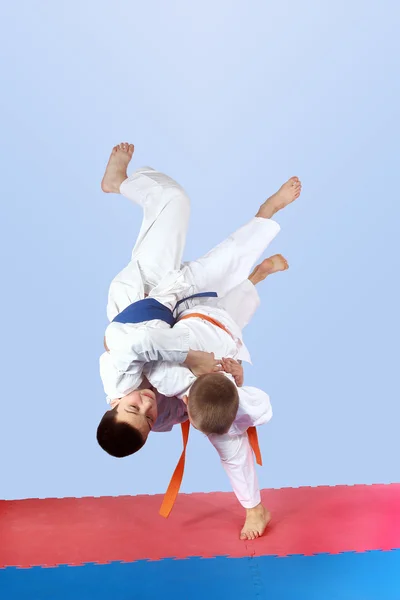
(269, 266)
(242, 301)
(229, 263)
(162, 236)
(238, 461)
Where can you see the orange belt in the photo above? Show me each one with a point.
(209, 319)
(176, 479)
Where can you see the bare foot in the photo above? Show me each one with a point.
(268, 267)
(257, 520)
(116, 169)
(289, 192)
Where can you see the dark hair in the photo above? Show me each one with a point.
(213, 403)
(117, 438)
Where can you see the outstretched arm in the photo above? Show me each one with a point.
(237, 459)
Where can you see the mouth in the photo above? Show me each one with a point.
(148, 394)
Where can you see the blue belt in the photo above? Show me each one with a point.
(149, 309)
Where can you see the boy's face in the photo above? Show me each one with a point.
(138, 409)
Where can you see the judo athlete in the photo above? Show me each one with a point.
(155, 276)
(227, 414)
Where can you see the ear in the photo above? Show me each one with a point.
(185, 399)
(114, 403)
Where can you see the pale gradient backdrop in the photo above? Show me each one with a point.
(230, 98)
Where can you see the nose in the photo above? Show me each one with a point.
(146, 401)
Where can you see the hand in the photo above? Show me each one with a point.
(231, 366)
(202, 363)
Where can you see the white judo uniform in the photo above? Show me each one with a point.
(155, 270)
(233, 311)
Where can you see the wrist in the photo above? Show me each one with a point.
(189, 358)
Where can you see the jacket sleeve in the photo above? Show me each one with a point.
(254, 409)
(131, 346)
(170, 379)
(117, 384)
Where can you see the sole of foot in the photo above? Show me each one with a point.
(116, 170)
(270, 265)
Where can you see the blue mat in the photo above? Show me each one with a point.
(369, 576)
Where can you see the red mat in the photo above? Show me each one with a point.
(305, 521)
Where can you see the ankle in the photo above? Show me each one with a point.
(267, 210)
(257, 509)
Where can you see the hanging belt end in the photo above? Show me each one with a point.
(165, 512)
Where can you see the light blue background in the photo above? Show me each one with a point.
(230, 98)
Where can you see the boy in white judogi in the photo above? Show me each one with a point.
(254, 407)
(154, 272)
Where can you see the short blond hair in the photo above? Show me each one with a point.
(213, 403)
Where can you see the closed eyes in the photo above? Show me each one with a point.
(134, 410)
